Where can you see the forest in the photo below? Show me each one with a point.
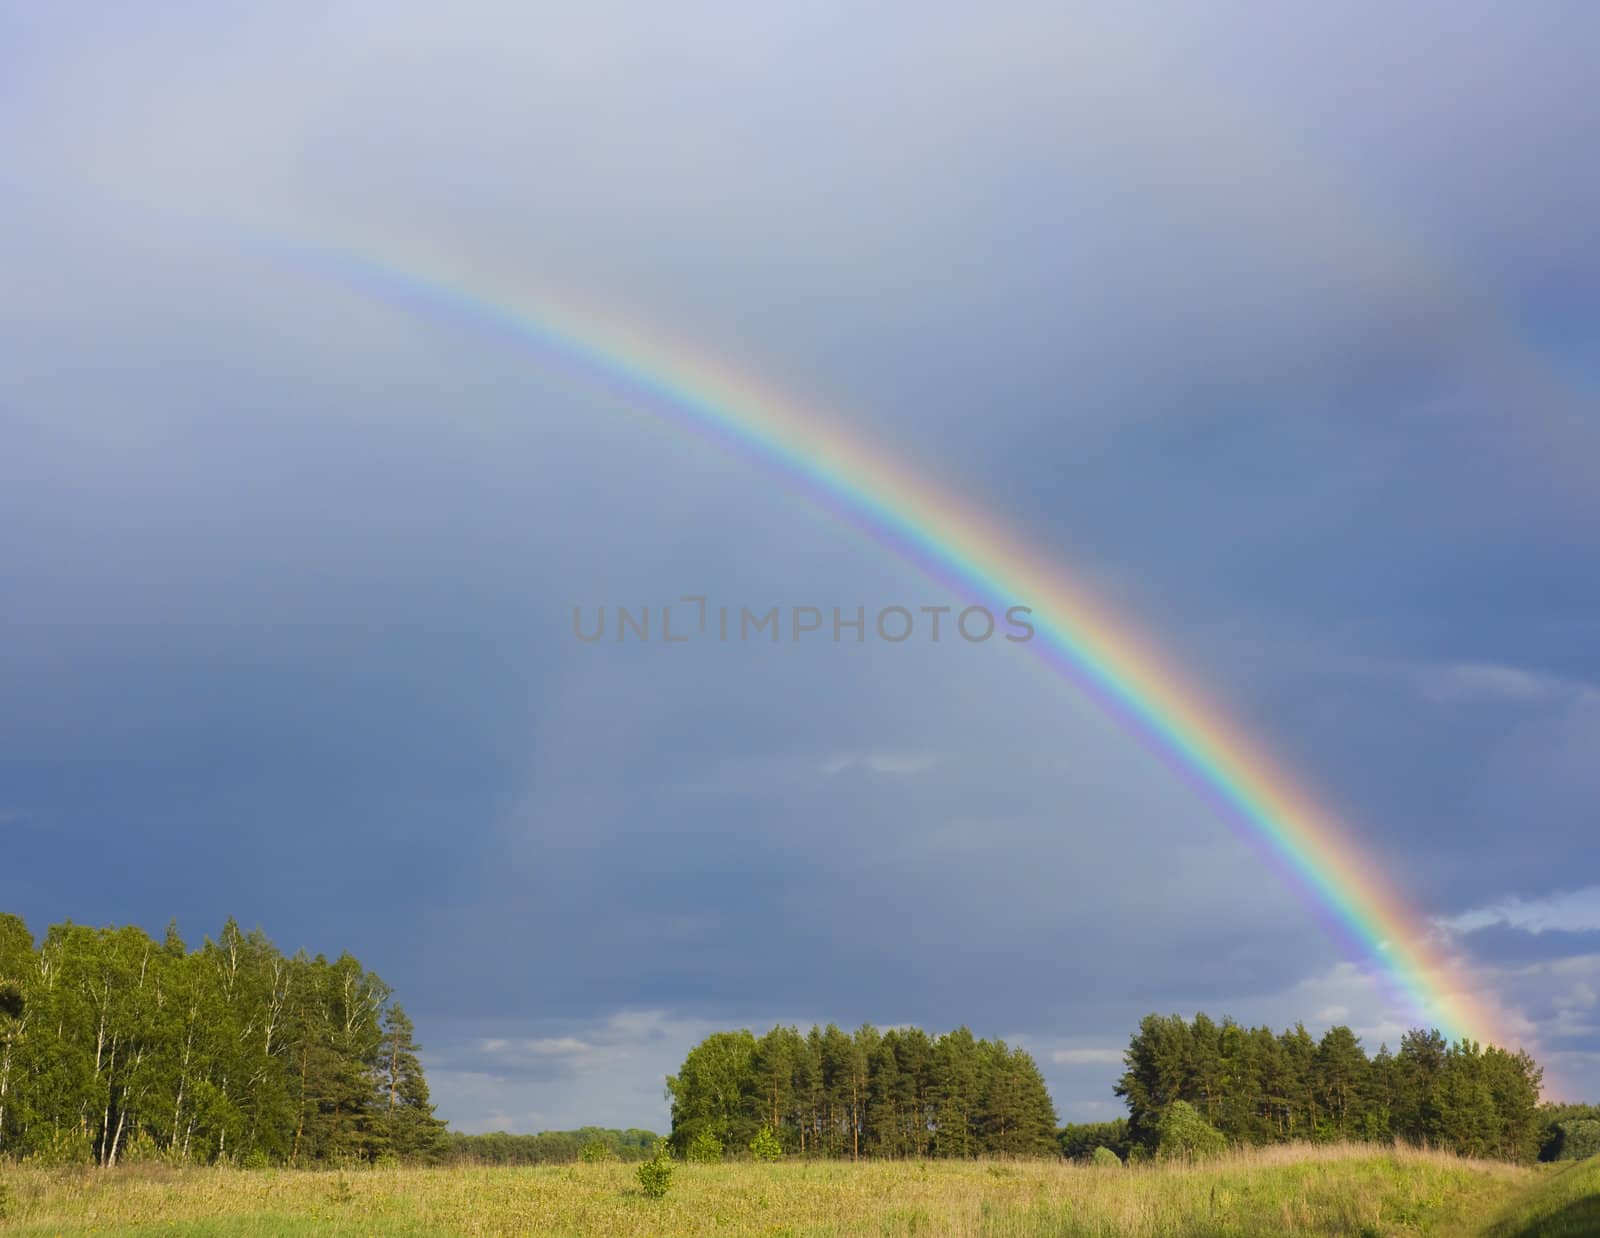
(1256, 1087)
(870, 1093)
(117, 1047)
(548, 1147)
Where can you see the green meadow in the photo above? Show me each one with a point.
(1334, 1190)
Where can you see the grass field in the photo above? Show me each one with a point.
(1564, 1204)
(1347, 1191)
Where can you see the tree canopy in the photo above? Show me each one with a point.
(112, 1042)
(874, 1093)
(1256, 1087)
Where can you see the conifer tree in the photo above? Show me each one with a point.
(410, 1129)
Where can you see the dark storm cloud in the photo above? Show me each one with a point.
(1228, 315)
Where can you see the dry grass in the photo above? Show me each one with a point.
(1326, 1190)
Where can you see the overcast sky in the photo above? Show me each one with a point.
(1275, 323)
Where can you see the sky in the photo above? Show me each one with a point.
(1274, 324)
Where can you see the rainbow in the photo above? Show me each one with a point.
(967, 551)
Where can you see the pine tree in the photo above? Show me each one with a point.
(1341, 1078)
(1377, 1105)
(773, 1075)
(956, 1093)
(1018, 1118)
(410, 1129)
(1416, 1071)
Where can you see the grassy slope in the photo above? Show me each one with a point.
(1344, 1191)
(1565, 1201)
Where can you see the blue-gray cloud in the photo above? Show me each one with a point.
(1227, 314)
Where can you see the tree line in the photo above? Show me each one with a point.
(870, 1093)
(115, 1046)
(1569, 1132)
(1256, 1087)
(549, 1147)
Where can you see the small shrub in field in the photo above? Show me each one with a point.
(1182, 1134)
(140, 1150)
(384, 1160)
(5, 1198)
(1105, 1158)
(705, 1148)
(595, 1151)
(765, 1146)
(62, 1148)
(655, 1175)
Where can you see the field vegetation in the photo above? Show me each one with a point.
(150, 1087)
(1339, 1189)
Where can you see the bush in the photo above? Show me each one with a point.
(62, 1148)
(1181, 1133)
(1079, 1139)
(595, 1151)
(140, 1150)
(1105, 1158)
(765, 1146)
(655, 1175)
(705, 1148)
(1577, 1140)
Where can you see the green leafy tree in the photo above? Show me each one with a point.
(765, 1146)
(655, 1174)
(16, 962)
(1575, 1140)
(1158, 1072)
(113, 1044)
(589, 1143)
(706, 1149)
(1078, 1140)
(1183, 1134)
(867, 1093)
(715, 1090)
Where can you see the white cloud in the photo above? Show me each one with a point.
(609, 1073)
(1571, 911)
(557, 1046)
(1087, 1057)
(1471, 682)
(895, 764)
